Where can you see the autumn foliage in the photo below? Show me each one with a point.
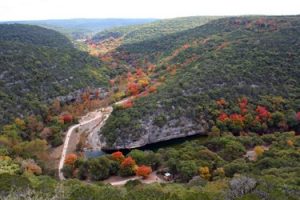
(118, 156)
(262, 113)
(204, 173)
(223, 116)
(133, 89)
(237, 118)
(139, 72)
(221, 102)
(70, 159)
(67, 118)
(127, 104)
(143, 171)
(152, 89)
(128, 162)
(243, 105)
(259, 150)
(298, 116)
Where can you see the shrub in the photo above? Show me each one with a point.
(259, 150)
(241, 186)
(118, 156)
(99, 168)
(143, 171)
(67, 171)
(204, 173)
(186, 170)
(70, 159)
(237, 166)
(127, 167)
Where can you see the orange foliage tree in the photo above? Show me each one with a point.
(118, 156)
(223, 116)
(128, 162)
(71, 158)
(133, 88)
(152, 89)
(221, 102)
(143, 171)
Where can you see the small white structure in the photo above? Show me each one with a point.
(167, 176)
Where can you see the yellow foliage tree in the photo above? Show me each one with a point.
(20, 123)
(204, 173)
(290, 143)
(220, 171)
(259, 150)
(144, 82)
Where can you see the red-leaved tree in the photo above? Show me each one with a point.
(118, 156)
(133, 88)
(128, 162)
(223, 116)
(263, 113)
(143, 171)
(67, 118)
(298, 116)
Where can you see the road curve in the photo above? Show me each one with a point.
(67, 139)
(72, 128)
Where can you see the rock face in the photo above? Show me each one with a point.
(151, 133)
(76, 95)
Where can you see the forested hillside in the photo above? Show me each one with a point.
(38, 64)
(120, 47)
(207, 72)
(80, 28)
(138, 33)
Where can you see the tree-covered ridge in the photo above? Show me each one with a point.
(38, 64)
(33, 35)
(226, 58)
(138, 33)
(81, 28)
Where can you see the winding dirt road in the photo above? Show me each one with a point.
(93, 138)
(96, 120)
(102, 114)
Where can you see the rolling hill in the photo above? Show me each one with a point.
(80, 28)
(148, 31)
(38, 64)
(252, 57)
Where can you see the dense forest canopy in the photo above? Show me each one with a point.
(156, 29)
(231, 82)
(37, 65)
(227, 58)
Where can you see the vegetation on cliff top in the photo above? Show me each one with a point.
(255, 57)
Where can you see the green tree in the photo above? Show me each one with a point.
(99, 168)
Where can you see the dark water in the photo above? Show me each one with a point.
(94, 154)
(153, 147)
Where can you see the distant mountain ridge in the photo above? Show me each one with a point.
(156, 29)
(78, 28)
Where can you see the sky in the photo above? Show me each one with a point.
(67, 9)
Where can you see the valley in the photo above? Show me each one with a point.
(223, 91)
